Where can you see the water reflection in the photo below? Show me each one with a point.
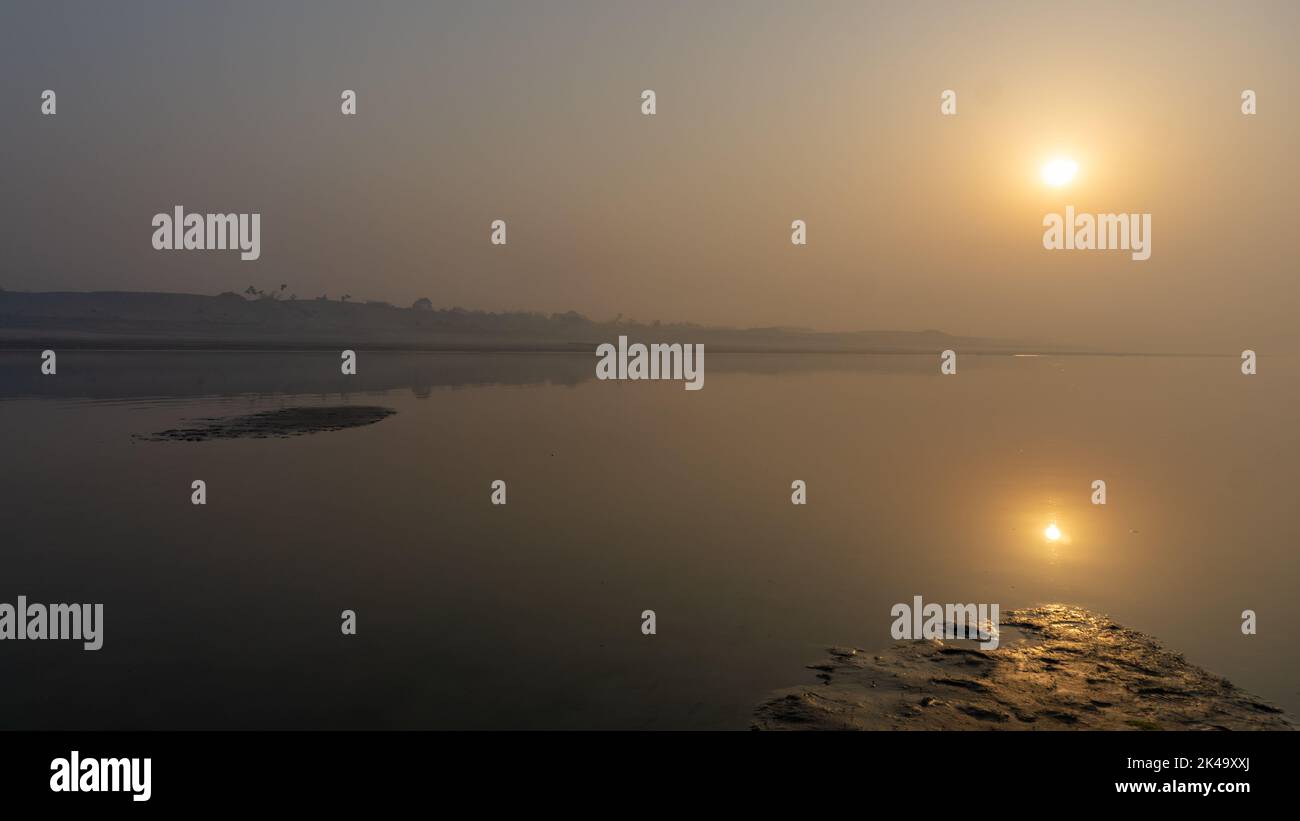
(115, 375)
(622, 497)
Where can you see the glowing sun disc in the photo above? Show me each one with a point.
(1059, 171)
(1052, 532)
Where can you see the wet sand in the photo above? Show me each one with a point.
(1057, 668)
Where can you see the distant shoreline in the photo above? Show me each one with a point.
(577, 349)
(149, 321)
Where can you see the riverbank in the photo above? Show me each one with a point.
(1058, 668)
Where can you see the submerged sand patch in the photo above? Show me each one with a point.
(280, 423)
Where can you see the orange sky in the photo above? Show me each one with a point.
(767, 112)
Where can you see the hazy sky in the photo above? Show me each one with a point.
(767, 112)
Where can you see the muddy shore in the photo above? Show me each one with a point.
(1057, 667)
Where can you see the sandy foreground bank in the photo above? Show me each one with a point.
(1057, 667)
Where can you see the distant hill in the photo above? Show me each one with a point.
(123, 319)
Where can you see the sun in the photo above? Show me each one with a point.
(1053, 533)
(1059, 170)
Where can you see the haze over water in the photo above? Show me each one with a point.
(768, 111)
(622, 497)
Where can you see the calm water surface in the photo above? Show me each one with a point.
(622, 497)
